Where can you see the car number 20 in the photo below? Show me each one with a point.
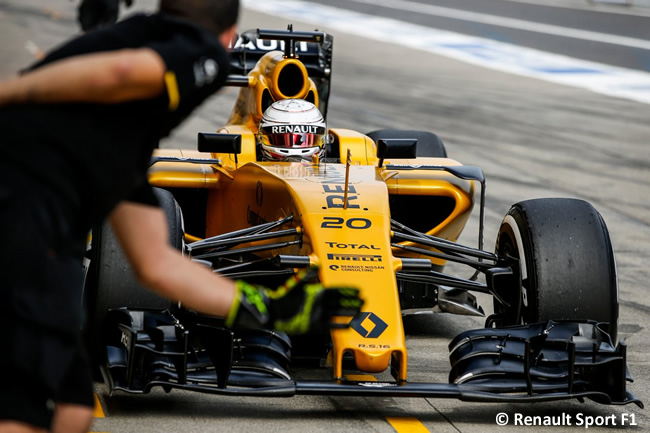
(351, 223)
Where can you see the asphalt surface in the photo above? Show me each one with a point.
(532, 138)
(588, 34)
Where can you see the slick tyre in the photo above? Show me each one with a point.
(429, 144)
(110, 281)
(566, 264)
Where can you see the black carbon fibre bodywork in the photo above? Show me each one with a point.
(538, 362)
(315, 53)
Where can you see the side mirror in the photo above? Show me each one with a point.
(248, 36)
(219, 143)
(396, 148)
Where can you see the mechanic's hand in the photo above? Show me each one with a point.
(300, 306)
(95, 14)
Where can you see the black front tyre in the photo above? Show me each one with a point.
(566, 263)
(110, 281)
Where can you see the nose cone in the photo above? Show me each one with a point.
(372, 361)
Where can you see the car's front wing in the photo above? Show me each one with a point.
(538, 362)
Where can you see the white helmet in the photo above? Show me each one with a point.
(292, 129)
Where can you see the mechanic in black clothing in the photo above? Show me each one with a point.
(78, 130)
(96, 14)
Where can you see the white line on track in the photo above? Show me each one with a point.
(600, 78)
(511, 23)
(592, 6)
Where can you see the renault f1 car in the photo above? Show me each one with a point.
(382, 211)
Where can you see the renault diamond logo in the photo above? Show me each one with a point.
(378, 328)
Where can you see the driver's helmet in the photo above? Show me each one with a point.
(292, 129)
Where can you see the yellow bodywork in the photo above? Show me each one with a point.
(351, 242)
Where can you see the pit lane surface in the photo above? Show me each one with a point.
(614, 35)
(532, 138)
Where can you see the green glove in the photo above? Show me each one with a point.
(300, 306)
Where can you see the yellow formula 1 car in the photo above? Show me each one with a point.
(380, 211)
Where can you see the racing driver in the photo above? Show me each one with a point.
(291, 130)
(78, 129)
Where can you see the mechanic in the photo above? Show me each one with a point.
(78, 130)
(96, 14)
(291, 130)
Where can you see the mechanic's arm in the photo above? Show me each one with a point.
(142, 232)
(108, 77)
(299, 306)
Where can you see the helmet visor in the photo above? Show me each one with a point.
(293, 136)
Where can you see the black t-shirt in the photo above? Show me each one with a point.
(91, 156)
